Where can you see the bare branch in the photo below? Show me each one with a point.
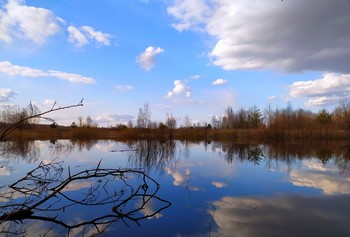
(39, 115)
(44, 197)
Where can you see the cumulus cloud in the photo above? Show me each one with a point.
(219, 81)
(21, 21)
(123, 88)
(6, 94)
(109, 119)
(15, 70)
(180, 88)
(329, 89)
(76, 37)
(147, 59)
(288, 36)
(189, 14)
(87, 35)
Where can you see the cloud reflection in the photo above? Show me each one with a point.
(321, 177)
(181, 179)
(282, 216)
(330, 183)
(218, 184)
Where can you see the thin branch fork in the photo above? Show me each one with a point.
(47, 186)
(39, 115)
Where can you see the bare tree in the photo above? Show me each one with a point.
(170, 121)
(144, 116)
(33, 115)
(88, 122)
(80, 121)
(186, 122)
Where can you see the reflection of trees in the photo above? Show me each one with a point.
(255, 154)
(43, 197)
(84, 143)
(152, 154)
(23, 149)
(288, 153)
(30, 150)
(60, 147)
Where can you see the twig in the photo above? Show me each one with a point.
(39, 115)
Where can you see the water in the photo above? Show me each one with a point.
(177, 189)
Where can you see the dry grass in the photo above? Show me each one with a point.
(44, 132)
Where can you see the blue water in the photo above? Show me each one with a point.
(213, 191)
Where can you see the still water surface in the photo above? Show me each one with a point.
(215, 189)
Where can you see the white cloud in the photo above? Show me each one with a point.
(189, 14)
(76, 78)
(329, 89)
(6, 94)
(98, 36)
(76, 37)
(147, 59)
(288, 36)
(15, 70)
(219, 81)
(180, 88)
(86, 35)
(196, 77)
(49, 101)
(123, 88)
(21, 21)
(108, 119)
(272, 97)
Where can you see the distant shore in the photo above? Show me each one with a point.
(45, 132)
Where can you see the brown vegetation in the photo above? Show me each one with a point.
(252, 125)
(262, 134)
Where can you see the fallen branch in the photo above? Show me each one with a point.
(45, 197)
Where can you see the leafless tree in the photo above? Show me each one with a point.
(34, 115)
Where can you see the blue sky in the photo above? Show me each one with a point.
(181, 57)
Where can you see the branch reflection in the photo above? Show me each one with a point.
(45, 198)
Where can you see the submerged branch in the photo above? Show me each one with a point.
(46, 196)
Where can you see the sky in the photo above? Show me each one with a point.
(181, 57)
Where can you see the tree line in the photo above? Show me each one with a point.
(252, 118)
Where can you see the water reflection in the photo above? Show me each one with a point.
(282, 216)
(288, 154)
(216, 188)
(45, 198)
(158, 154)
(152, 154)
(19, 149)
